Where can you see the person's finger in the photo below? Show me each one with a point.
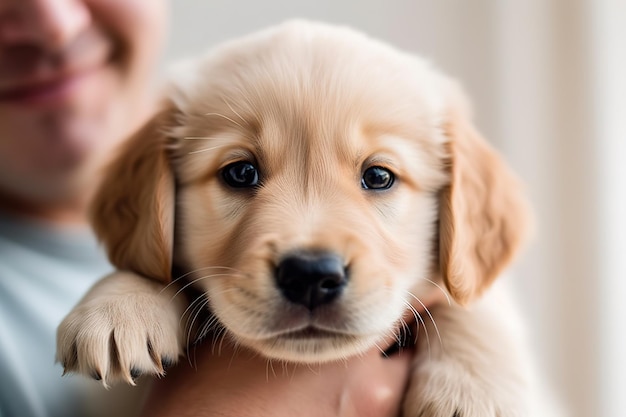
(378, 384)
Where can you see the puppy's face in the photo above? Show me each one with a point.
(307, 223)
(310, 164)
(307, 240)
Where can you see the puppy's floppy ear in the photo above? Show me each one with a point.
(483, 215)
(133, 210)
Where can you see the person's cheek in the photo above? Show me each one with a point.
(138, 27)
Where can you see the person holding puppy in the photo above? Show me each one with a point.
(76, 78)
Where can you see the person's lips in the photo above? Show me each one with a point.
(34, 77)
(41, 92)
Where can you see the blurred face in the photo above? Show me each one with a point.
(74, 79)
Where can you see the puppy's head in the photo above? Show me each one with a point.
(319, 181)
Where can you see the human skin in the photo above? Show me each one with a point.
(239, 383)
(75, 80)
(223, 381)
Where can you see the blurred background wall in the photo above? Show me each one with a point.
(548, 81)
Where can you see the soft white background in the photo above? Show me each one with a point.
(548, 81)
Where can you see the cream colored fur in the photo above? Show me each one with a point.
(312, 106)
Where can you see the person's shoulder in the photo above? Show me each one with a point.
(44, 271)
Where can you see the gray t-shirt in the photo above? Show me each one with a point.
(44, 271)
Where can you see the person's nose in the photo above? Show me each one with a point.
(49, 23)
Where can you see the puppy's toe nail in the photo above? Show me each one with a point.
(167, 362)
(135, 373)
(457, 413)
(95, 374)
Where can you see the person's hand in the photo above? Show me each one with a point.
(241, 384)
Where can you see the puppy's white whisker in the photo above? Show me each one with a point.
(444, 292)
(211, 138)
(197, 310)
(212, 323)
(267, 370)
(283, 365)
(223, 336)
(404, 334)
(208, 326)
(193, 272)
(419, 319)
(308, 365)
(184, 287)
(416, 315)
(227, 118)
(213, 326)
(191, 307)
(235, 352)
(194, 314)
(380, 349)
(222, 339)
(200, 306)
(429, 315)
(206, 149)
(394, 334)
(232, 109)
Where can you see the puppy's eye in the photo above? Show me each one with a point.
(240, 174)
(377, 178)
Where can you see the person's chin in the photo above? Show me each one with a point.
(75, 117)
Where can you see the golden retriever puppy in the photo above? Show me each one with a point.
(313, 184)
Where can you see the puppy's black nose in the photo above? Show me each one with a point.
(311, 278)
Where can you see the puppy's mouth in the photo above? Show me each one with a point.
(310, 332)
(307, 310)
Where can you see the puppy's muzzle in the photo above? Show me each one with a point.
(311, 278)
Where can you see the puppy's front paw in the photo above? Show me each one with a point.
(124, 327)
(443, 388)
